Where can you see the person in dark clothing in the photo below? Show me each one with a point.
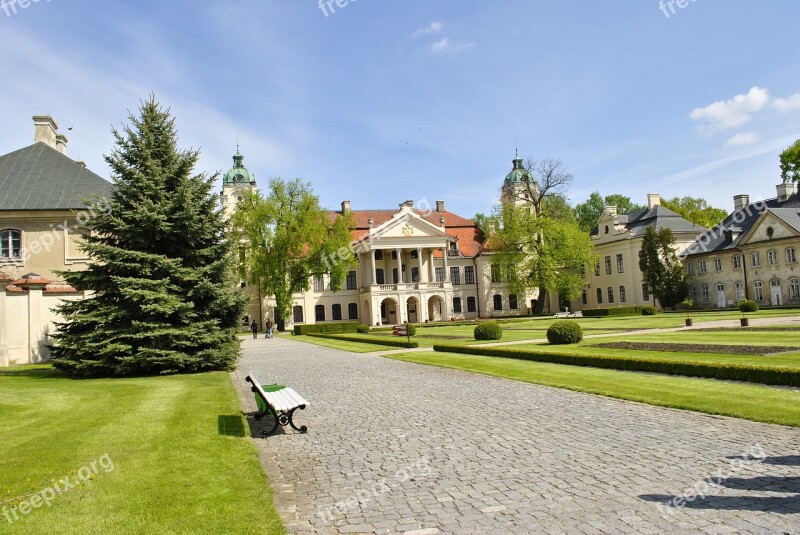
(254, 328)
(269, 328)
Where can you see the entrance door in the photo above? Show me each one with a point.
(775, 292)
(720, 296)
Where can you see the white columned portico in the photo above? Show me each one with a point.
(399, 253)
(372, 265)
(421, 276)
(431, 266)
(446, 270)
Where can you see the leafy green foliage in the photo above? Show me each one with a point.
(488, 330)
(363, 329)
(790, 163)
(564, 332)
(588, 212)
(289, 238)
(412, 329)
(747, 305)
(165, 298)
(339, 327)
(613, 311)
(696, 210)
(648, 311)
(661, 269)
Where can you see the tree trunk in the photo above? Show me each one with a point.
(540, 301)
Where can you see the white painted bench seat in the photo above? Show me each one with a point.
(285, 400)
(279, 401)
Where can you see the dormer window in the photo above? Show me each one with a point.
(453, 248)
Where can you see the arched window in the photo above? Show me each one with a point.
(319, 313)
(297, 313)
(599, 296)
(498, 302)
(791, 255)
(352, 311)
(471, 304)
(512, 302)
(457, 305)
(758, 291)
(610, 295)
(10, 244)
(794, 288)
(623, 298)
(336, 312)
(584, 298)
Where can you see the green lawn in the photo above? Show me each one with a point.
(182, 462)
(751, 402)
(344, 345)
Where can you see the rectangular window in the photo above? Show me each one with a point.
(794, 288)
(379, 254)
(512, 302)
(439, 274)
(791, 255)
(608, 265)
(599, 296)
(610, 295)
(597, 269)
(414, 274)
(755, 259)
(717, 264)
(351, 280)
(705, 297)
(772, 257)
(471, 304)
(457, 305)
(623, 298)
(319, 283)
(701, 266)
(620, 267)
(395, 278)
(297, 314)
(495, 274)
(455, 275)
(737, 261)
(739, 290)
(645, 293)
(319, 312)
(414, 253)
(689, 268)
(379, 278)
(584, 298)
(469, 274)
(692, 293)
(758, 291)
(498, 302)
(352, 311)
(336, 312)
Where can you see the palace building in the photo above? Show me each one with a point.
(415, 264)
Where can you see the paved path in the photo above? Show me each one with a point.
(405, 448)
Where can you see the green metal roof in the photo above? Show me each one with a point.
(518, 173)
(238, 174)
(39, 177)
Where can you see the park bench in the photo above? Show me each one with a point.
(562, 314)
(279, 401)
(578, 314)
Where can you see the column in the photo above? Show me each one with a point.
(5, 281)
(372, 265)
(419, 261)
(446, 269)
(399, 266)
(431, 266)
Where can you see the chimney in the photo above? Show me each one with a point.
(740, 201)
(612, 209)
(785, 191)
(653, 200)
(61, 143)
(345, 206)
(45, 130)
(440, 206)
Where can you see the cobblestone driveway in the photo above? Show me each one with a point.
(405, 448)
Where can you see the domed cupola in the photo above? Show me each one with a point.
(518, 173)
(238, 174)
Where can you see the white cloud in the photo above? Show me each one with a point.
(726, 114)
(445, 46)
(790, 103)
(743, 138)
(433, 27)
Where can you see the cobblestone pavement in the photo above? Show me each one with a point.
(406, 448)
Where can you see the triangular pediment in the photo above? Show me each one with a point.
(767, 228)
(408, 225)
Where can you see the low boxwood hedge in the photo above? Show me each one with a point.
(649, 311)
(399, 341)
(564, 332)
(615, 311)
(341, 327)
(363, 328)
(711, 370)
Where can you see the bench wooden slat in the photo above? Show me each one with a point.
(285, 399)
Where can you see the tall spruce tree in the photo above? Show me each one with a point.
(165, 299)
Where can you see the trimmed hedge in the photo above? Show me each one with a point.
(363, 329)
(391, 342)
(649, 311)
(564, 332)
(746, 305)
(710, 370)
(341, 327)
(412, 329)
(616, 311)
(488, 330)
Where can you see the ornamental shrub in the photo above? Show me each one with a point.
(747, 305)
(412, 329)
(649, 311)
(363, 329)
(564, 332)
(488, 330)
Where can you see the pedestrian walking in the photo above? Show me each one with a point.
(269, 328)
(254, 328)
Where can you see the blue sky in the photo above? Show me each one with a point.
(386, 100)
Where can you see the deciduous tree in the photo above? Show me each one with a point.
(696, 210)
(661, 269)
(790, 163)
(589, 212)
